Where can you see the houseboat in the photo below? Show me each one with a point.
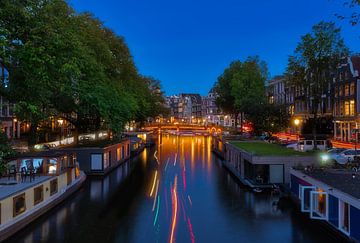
(33, 184)
(330, 195)
(101, 158)
(147, 137)
(260, 170)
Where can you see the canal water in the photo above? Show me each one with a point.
(177, 191)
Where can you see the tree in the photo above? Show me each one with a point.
(5, 151)
(354, 18)
(248, 86)
(225, 99)
(315, 59)
(269, 118)
(70, 65)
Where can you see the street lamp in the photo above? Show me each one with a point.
(14, 128)
(297, 123)
(60, 122)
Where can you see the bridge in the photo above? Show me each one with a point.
(184, 127)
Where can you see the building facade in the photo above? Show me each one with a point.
(346, 106)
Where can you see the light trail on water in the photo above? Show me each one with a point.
(153, 186)
(175, 209)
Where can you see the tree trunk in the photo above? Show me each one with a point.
(32, 138)
(241, 122)
(76, 136)
(314, 132)
(236, 114)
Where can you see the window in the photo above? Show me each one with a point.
(118, 154)
(69, 176)
(309, 142)
(53, 186)
(352, 88)
(19, 205)
(336, 90)
(347, 108)
(344, 217)
(341, 90)
(38, 194)
(106, 160)
(52, 166)
(347, 90)
(352, 108)
(96, 162)
(318, 205)
(304, 195)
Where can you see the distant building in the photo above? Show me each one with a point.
(346, 98)
(185, 107)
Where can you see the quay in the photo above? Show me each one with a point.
(35, 183)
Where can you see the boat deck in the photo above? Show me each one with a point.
(9, 187)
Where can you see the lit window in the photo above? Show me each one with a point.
(347, 108)
(352, 107)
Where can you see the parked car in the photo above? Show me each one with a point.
(308, 144)
(292, 145)
(345, 156)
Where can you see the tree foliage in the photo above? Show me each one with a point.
(271, 118)
(354, 17)
(311, 66)
(70, 65)
(5, 150)
(241, 87)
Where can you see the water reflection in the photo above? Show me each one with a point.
(176, 191)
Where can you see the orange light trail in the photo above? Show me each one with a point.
(153, 186)
(175, 205)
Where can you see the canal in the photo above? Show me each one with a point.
(176, 191)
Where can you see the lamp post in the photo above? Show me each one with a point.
(60, 122)
(297, 123)
(14, 128)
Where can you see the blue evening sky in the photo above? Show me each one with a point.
(187, 43)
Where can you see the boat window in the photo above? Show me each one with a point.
(344, 217)
(53, 186)
(304, 195)
(318, 205)
(19, 205)
(38, 194)
(309, 142)
(51, 166)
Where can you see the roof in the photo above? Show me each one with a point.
(338, 179)
(45, 154)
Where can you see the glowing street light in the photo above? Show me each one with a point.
(60, 121)
(296, 122)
